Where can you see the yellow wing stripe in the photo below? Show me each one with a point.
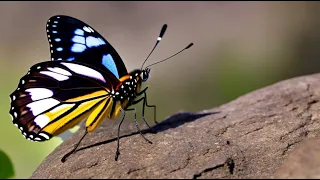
(56, 112)
(107, 109)
(58, 126)
(99, 114)
(115, 111)
(88, 96)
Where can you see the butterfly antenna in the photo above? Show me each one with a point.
(191, 44)
(163, 30)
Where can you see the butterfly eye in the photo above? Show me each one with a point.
(145, 74)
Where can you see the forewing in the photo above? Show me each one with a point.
(73, 40)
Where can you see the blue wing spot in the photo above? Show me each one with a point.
(57, 39)
(78, 48)
(79, 32)
(101, 41)
(70, 59)
(54, 25)
(59, 59)
(54, 32)
(79, 39)
(92, 41)
(59, 49)
(108, 62)
(55, 22)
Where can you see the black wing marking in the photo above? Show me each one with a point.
(73, 40)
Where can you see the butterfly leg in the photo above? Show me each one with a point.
(136, 123)
(145, 103)
(136, 102)
(118, 138)
(64, 158)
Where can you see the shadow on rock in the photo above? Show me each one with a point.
(172, 122)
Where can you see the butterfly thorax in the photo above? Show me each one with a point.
(127, 90)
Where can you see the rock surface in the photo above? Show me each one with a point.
(303, 162)
(272, 132)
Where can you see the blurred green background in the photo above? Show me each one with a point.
(239, 47)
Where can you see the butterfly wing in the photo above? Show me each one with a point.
(56, 95)
(73, 40)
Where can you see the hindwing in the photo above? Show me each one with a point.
(56, 95)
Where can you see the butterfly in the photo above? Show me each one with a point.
(86, 79)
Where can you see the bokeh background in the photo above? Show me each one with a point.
(239, 47)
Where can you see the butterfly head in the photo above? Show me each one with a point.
(145, 74)
(140, 75)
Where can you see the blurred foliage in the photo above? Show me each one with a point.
(6, 166)
(239, 47)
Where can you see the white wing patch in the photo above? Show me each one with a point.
(44, 135)
(40, 106)
(83, 70)
(56, 76)
(60, 71)
(88, 29)
(39, 93)
(42, 120)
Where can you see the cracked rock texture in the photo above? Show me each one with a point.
(273, 132)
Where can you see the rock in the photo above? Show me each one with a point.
(250, 137)
(303, 162)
